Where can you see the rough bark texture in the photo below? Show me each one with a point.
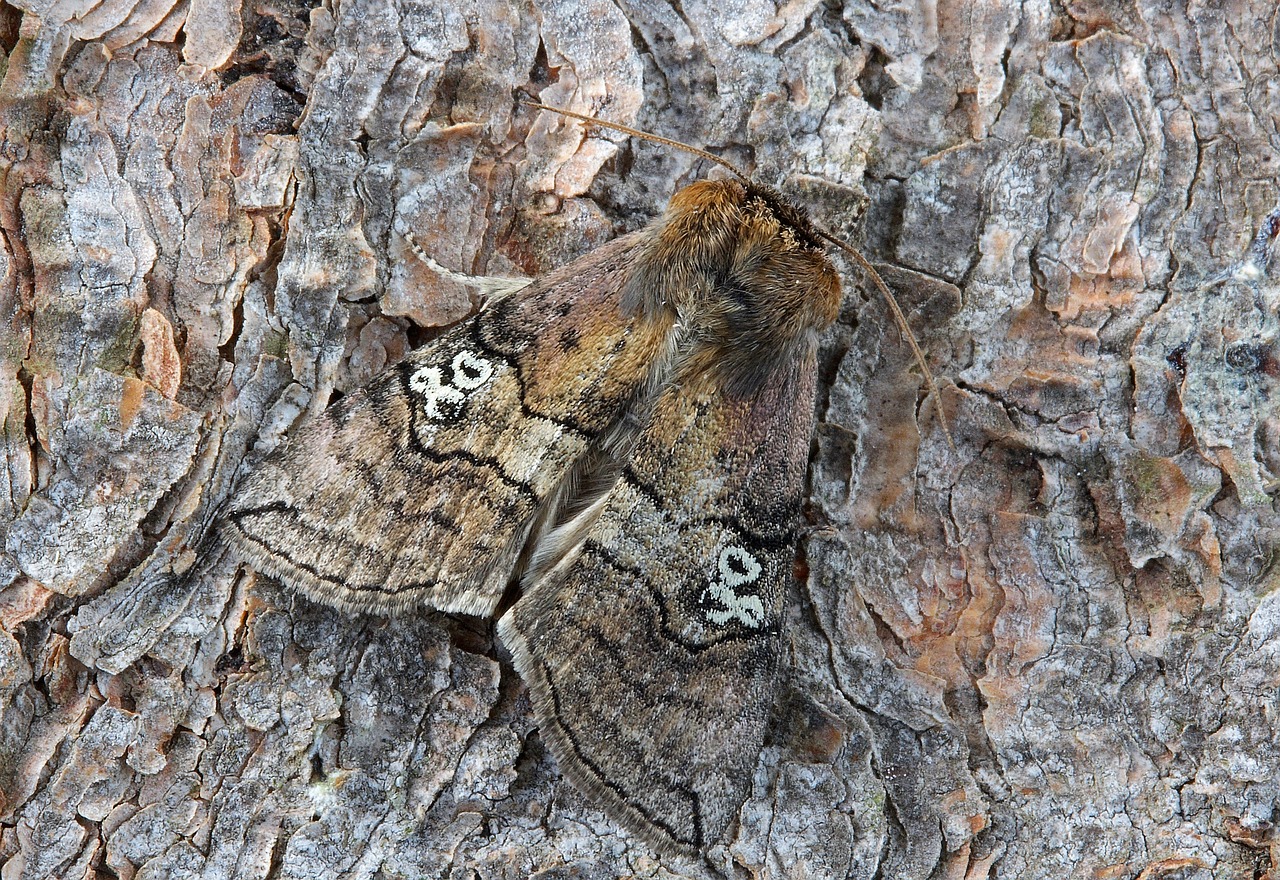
(1051, 653)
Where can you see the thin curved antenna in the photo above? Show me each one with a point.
(901, 320)
(643, 135)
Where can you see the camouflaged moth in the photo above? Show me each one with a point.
(621, 446)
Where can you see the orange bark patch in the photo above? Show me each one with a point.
(131, 400)
(21, 601)
(161, 364)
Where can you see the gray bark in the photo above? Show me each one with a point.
(1051, 653)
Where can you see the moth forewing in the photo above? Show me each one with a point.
(652, 655)
(421, 489)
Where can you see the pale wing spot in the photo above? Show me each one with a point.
(750, 610)
(436, 396)
(441, 400)
(738, 567)
(470, 372)
(720, 618)
(719, 593)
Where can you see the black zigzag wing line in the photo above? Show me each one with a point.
(752, 639)
(281, 507)
(783, 539)
(477, 336)
(637, 687)
(603, 780)
(481, 461)
(433, 516)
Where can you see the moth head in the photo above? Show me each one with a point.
(743, 272)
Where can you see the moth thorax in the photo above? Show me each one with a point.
(740, 264)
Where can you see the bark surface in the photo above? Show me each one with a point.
(1052, 652)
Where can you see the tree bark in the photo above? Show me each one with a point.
(1050, 652)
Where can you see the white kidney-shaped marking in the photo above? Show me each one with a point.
(748, 610)
(470, 373)
(732, 578)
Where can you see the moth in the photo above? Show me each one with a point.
(611, 458)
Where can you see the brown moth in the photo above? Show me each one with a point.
(621, 446)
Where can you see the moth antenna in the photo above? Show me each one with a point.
(644, 135)
(488, 286)
(901, 320)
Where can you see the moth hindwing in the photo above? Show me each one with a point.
(623, 443)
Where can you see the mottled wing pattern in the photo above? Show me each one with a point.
(651, 653)
(422, 487)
